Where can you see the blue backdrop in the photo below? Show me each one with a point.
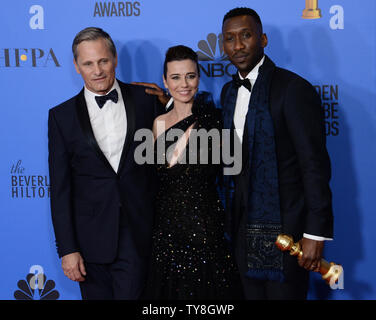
(336, 53)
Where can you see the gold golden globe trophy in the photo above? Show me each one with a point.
(311, 10)
(330, 272)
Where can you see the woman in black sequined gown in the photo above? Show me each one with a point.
(190, 256)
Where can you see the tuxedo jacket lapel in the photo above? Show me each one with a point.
(129, 103)
(229, 106)
(84, 119)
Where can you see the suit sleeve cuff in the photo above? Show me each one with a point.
(317, 238)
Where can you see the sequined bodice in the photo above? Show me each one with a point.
(186, 178)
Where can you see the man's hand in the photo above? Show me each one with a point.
(154, 90)
(73, 266)
(312, 254)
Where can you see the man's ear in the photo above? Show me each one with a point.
(116, 61)
(264, 40)
(76, 66)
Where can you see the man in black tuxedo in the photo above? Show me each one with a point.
(101, 199)
(284, 183)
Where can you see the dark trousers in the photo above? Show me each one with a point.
(270, 290)
(124, 279)
(273, 290)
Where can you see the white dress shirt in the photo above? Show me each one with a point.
(242, 101)
(109, 124)
(240, 113)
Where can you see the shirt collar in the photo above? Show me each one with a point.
(255, 71)
(90, 95)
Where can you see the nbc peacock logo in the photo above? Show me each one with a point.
(214, 62)
(209, 48)
(36, 286)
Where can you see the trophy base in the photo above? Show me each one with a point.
(311, 14)
(332, 274)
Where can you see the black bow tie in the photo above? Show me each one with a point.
(238, 82)
(101, 100)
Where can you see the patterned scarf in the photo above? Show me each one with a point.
(264, 260)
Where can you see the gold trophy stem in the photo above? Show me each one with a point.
(324, 266)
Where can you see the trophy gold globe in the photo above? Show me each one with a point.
(330, 271)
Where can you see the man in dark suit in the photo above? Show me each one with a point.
(101, 199)
(284, 183)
